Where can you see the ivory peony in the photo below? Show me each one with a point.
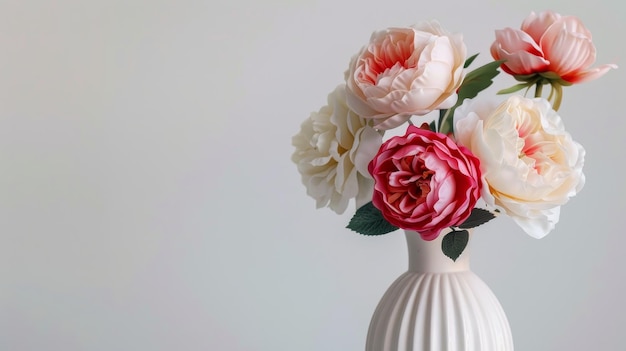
(405, 71)
(530, 164)
(333, 149)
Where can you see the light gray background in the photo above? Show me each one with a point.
(147, 199)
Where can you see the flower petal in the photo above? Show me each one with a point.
(585, 76)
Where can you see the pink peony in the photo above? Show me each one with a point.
(404, 72)
(425, 182)
(549, 42)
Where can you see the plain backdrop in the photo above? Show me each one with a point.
(148, 200)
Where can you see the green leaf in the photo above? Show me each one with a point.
(543, 78)
(478, 217)
(470, 60)
(529, 78)
(454, 243)
(550, 75)
(514, 88)
(368, 220)
(475, 82)
(478, 80)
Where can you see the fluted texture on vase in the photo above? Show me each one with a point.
(452, 310)
(439, 311)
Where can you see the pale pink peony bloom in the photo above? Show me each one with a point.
(425, 182)
(404, 72)
(530, 164)
(333, 149)
(549, 42)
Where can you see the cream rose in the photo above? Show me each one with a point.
(333, 150)
(404, 72)
(530, 164)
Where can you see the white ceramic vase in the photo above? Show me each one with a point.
(438, 305)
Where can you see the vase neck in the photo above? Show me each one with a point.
(427, 256)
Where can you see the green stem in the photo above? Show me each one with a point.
(443, 126)
(559, 96)
(538, 89)
(551, 96)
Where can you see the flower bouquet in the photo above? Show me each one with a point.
(456, 147)
(459, 146)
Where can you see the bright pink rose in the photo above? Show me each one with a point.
(549, 42)
(425, 182)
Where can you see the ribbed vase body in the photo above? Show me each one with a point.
(438, 305)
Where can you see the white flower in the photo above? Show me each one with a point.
(530, 164)
(333, 150)
(405, 71)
